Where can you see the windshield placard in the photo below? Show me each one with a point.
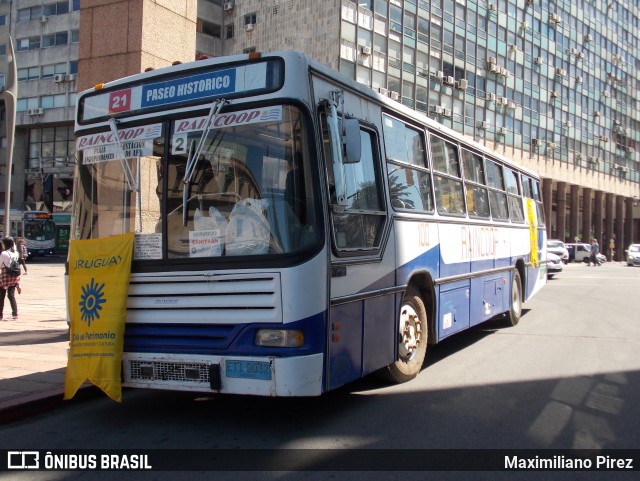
(136, 142)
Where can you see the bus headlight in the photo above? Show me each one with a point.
(279, 338)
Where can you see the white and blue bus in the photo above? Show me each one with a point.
(39, 232)
(295, 230)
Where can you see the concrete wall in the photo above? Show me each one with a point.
(123, 37)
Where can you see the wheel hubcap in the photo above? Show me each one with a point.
(410, 333)
(516, 298)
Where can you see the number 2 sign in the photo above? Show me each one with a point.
(120, 101)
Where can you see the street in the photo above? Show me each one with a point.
(567, 376)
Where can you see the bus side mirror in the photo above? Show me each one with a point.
(351, 141)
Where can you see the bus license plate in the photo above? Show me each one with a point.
(248, 369)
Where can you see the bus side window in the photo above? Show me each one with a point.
(407, 172)
(448, 185)
(497, 196)
(477, 195)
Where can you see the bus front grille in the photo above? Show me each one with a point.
(168, 371)
(212, 299)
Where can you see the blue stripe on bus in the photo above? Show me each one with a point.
(217, 339)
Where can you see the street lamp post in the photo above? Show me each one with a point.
(10, 99)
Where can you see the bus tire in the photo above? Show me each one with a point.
(515, 306)
(412, 336)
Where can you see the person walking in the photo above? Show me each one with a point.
(8, 281)
(22, 252)
(595, 250)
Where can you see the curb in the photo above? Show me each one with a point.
(22, 407)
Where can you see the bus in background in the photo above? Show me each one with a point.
(295, 230)
(39, 232)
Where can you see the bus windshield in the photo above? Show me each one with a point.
(246, 191)
(39, 229)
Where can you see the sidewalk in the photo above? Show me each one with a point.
(33, 349)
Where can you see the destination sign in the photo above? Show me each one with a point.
(184, 87)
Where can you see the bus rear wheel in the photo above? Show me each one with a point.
(515, 309)
(411, 337)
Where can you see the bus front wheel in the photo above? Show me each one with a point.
(515, 309)
(412, 338)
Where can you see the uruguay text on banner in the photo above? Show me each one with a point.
(99, 271)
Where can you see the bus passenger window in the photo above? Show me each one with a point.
(477, 195)
(407, 172)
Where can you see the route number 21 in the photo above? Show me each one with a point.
(120, 101)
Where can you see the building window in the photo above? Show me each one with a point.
(75, 36)
(49, 71)
(60, 38)
(28, 14)
(24, 104)
(73, 66)
(229, 31)
(209, 28)
(31, 73)
(3, 20)
(58, 8)
(53, 101)
(30, 43)
(2, 80)
(250, 19)
(3, 49)
(50, 143)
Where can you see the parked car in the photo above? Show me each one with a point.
(554, 264)
(558, 248)
(581, 252)
(633, 255)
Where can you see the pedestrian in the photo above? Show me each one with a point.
(595, 250)
(23, 253)
(8, 281)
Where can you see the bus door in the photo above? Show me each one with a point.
(362, 311)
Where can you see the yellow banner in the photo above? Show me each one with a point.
(99, 271)
(533, 232)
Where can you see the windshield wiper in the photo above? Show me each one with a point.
(133, 182)
(194, 154)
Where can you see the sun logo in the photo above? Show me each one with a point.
(91, 301)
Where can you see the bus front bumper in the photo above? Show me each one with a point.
(264, 376)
